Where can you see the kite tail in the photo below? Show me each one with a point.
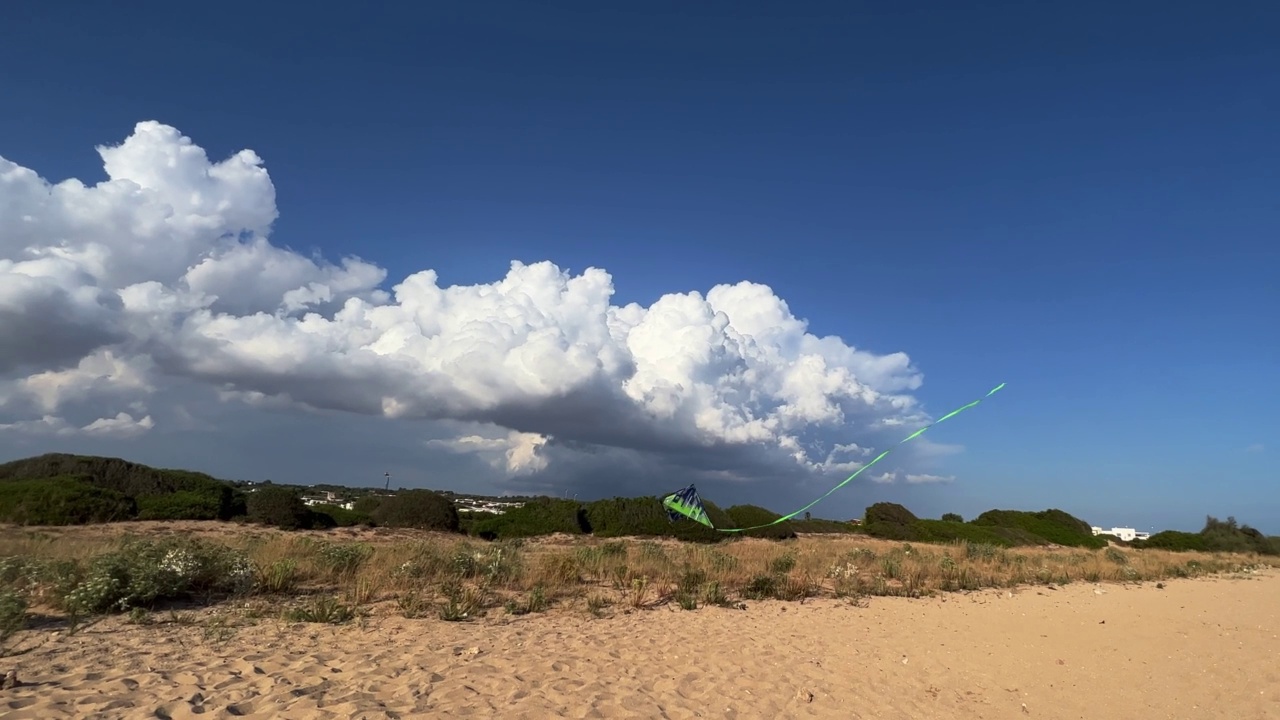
(686, 502)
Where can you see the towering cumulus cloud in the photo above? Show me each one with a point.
(163, 278)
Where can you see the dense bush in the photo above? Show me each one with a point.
(139, 482)
(952, 517)
(539, 516)
(422, 509)
(181, 505)
(1056, 526)
(62, 501)
(366, 505)
(1216, 536)
(743, 516)
(1174, 540)
(324, 515)
(891, 521)
(618, 517)
(144, 572)
(951, 531)
(279, 506)
(818, 525)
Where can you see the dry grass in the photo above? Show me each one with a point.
(332, 576)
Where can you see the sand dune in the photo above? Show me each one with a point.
(1194, 649)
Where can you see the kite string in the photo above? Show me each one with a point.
(849, 479)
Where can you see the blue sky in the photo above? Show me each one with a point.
(1077, 200)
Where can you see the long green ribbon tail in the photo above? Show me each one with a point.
(849, 479)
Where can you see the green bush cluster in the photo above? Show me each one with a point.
(1055, 526)
(324, 515)
(1216, 536)
(64, 500)
(420, 509)
(279, 506)
(144, 572)
(997, 528)
(539, 516)
(60, 489)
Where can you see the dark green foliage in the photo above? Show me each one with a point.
(951, 531)
(1217, 536)
(645, 516)
(331, 516)
(753, 515)
(279, 506)
(1055, 526)
(366, 505)
(62, 501)
(147, 571)
(892, 513)
(952, 517)
(138, 482)
(540, 516)
(421, 509)
(182, 505)
(891, 521)
(818, 525)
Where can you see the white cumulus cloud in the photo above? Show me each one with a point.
(164, 276)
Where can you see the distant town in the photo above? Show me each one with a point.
(346, 497)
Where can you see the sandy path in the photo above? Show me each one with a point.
(1195, 649)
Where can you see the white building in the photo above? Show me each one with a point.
(1125, 534)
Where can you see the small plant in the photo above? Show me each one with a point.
(363, 590)
(326, 609)
(761, 587)
(279, 577)
(1116, 556)
(535, 601)
(13, 614)
(596, 604)
(689, 587)
(639, 592)
(461, 603)
(412, 604)
(713, 594)
(343, 559)
(783, 564)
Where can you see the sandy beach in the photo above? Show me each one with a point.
(1196, 648)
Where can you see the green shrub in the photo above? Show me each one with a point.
(1174, 540)
(13, 614)
(819, 525)
(1052, 525)
(891, 513)
(952, 517)
(645, 516)
(540, 516)
(279, 506)
(951, 531)
(1217, 536)
(324, 515)
(421, 509)
(366, 505)
(751, 516)
(144, 572)
(181, 505)
(62, 501)
(127, 478)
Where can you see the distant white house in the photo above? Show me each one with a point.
(1125, 534)
(329, 499)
